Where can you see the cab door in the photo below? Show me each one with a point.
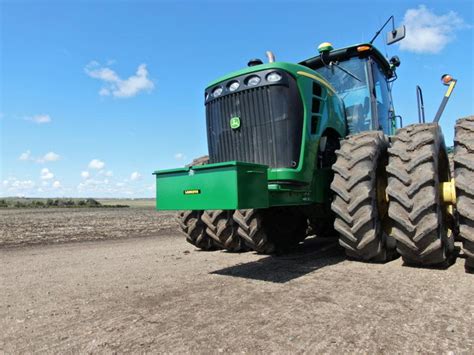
(381, 100)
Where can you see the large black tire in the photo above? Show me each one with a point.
(359, 197)
(192, 226)
(464, 179)
(418, 164)
(221, 227)
(271, 230)
(250, 228)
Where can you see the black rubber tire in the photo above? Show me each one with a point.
(250, 228)
(221, 227)
(271, 230)
(192, 226)
(464, 179)
(418, 163)
(358, 185)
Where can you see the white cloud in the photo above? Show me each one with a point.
(179, 156)
(107, 173)
(25, 156)
(96, 164)
(98, 187)
(46, 174)
(15, 187)
(48, 157)
(56, 184)
(40, 119)
(85, 174)
(114, 85)
(51, 156)
(22, 184)
(427, 32)
(135, 176)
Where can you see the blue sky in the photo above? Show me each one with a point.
(95, 96)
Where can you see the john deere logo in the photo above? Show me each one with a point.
(235, 122)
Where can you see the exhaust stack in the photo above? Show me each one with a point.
(270, 56)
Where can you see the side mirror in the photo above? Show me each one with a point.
(396, 35)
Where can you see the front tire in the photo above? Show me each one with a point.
(359, 197)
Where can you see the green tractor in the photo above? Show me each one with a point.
(313, 149)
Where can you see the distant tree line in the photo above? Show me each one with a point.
(58, 202)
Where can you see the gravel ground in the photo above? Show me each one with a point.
(160, 294)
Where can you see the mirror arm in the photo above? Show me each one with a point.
(380, 30)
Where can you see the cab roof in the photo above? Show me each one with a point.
(345, 53)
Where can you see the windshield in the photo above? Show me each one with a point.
(353, 92)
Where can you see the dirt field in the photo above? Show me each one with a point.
(59, 225)
(152, 291)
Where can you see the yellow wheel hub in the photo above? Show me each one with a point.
(448, 192)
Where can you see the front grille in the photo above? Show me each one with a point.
(271, 122)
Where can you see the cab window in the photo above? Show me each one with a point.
(383, 99)
(354, 92)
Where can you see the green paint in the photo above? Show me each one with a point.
(235, 122)
(227, 186)
(236, 185)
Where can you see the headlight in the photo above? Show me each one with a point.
(273, 77)
(217, 91)
(206, 96)
(253, 80)
(234, 85)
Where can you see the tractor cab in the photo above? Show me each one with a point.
(361, 76)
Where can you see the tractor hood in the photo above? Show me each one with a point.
(288, 67)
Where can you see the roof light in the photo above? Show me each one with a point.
(363, 48)
(325, 47)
